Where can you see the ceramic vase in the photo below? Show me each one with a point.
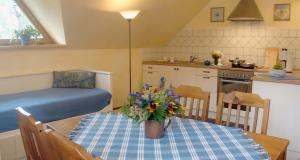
(155, 129)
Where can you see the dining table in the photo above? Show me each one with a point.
(113, 136)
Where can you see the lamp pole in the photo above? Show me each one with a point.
(129, 16)
(129, 32)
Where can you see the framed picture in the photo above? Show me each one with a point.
(282, 12)
(217, 14)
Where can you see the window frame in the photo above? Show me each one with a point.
(47, 39)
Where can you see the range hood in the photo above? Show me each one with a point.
(246, 10)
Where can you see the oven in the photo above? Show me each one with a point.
(235, 80)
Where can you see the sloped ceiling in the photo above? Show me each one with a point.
(97, 23)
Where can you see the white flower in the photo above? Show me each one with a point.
(217, 53)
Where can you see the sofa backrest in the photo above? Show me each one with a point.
(31, 82)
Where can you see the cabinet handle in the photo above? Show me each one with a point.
(206, 71)
(150, 67)
(206, 77)
(150, 72)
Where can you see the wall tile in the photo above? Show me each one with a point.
(246, 40)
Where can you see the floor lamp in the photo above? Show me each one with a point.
(129, 16)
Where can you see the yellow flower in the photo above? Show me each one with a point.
(182, 108)
(174, 107)
(172, 103)
(151, 110)
(171, 111)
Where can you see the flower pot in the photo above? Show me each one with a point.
(277, 73)
(24, 39)
(155, 129)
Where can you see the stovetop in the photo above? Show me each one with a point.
(236, 74)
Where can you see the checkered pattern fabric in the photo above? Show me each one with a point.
(112, 136)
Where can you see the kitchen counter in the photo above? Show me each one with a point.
(284, 109)
(265, 78)
(201, 65)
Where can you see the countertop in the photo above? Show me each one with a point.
(264, 77)
(201, 65)
(296, 74)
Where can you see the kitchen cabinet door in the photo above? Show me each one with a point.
(186, 76)
(170, 73)
(151, 78)
(209, 84)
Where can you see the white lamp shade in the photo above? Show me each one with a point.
(130, 14)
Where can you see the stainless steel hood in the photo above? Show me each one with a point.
(246, 10)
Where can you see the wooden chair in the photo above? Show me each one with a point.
(34, 142)
(64, 149)
(194, 94)
(43, 142)
(249, 101)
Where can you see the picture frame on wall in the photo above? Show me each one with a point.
(282, 12)
(217, 14)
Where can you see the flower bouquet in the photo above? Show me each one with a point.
(153, 106)
(216, 55)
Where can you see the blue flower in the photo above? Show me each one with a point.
(170, 92)
(162, 82)
(146, 87)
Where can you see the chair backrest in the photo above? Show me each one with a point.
(248, 101)
(43, 142)
(195, 94)
(35, 146)
(64, 149)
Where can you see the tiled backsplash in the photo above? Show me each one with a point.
(246, 40)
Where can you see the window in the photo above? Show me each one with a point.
(13, 17)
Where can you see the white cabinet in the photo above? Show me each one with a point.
(204, 78)
(151, 75)
(207, 79)
(284, 112)
(170, 73)
(186, 76)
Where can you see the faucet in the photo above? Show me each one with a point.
(193, 59)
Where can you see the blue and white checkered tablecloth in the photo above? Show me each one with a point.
(112, 136)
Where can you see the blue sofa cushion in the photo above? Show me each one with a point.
(51, 104)
(74, 79)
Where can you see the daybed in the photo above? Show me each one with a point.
(35, 93)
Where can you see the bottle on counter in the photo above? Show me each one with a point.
(286, 59)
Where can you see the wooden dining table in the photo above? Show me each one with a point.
(276, 147)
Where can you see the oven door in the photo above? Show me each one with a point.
(228, 85)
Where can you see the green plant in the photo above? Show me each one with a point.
(28, 31)
(278, 67)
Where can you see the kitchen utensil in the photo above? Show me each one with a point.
(277, 73)
(236, 62)
(271, 57)
(248, 65)
(207, 63)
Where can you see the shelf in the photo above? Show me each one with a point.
(41, 46)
